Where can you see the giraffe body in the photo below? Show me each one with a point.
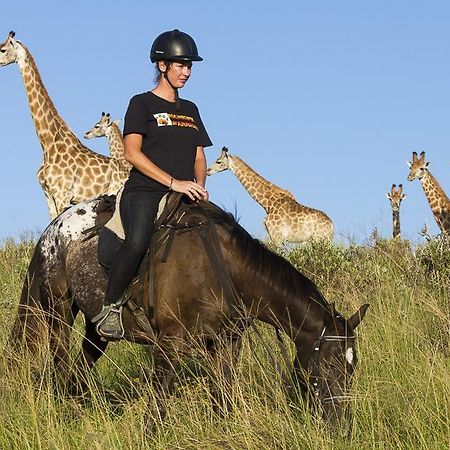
(437, 199)
(286, 219)
(69, 172)
(396, 196)
(119, 166)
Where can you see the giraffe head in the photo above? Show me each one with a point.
(417, 167)
(101, 127)
(222, 163)
(8, 50)
(396, 196)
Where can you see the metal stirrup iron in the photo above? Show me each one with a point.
(109, 322)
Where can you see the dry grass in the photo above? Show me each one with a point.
(401, 387)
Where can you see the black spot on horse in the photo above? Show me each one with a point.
(81, 212)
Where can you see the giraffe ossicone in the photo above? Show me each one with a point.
(286, 219)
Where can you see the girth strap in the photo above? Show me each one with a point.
(211, 243)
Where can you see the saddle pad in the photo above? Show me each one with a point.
(115, 223)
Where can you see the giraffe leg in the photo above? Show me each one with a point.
(273, 230)
(42, 177)
(51, 203)
(63, 200)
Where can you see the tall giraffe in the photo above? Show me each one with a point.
(120, 167)
(396, 196)
(437, 199)
(286, 220)
(70, 172)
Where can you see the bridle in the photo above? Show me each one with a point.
(315, 376)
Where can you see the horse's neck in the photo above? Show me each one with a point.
(295, 306)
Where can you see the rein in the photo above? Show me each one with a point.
(315, 372)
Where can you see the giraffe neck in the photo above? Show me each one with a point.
(257, 186)
(115, 141)
(438, 201)
(47, 121)
(396, 223)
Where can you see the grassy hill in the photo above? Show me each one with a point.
(401, 387)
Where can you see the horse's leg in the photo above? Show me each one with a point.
(225, 352)
(60, 321)
(92, 348)
(167, 354)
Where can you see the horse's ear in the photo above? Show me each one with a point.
(355, 320)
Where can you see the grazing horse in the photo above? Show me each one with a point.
(191, 298)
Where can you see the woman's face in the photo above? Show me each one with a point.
(178, 73)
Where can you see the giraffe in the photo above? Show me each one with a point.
(70, 172)
(396, 196)
(286, 219)
(120, 167)
(437, 199)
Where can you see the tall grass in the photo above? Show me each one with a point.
(401, 387)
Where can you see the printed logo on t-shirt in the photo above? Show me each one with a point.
(177, 120)
(162, 119)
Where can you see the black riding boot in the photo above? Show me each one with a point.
(109, 321)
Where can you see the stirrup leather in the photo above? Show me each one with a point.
(107, 325)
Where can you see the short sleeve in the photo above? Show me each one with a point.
(136, 118)
(203, 138)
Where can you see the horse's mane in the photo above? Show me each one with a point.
(266, 264)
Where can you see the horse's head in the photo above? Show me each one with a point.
(331, 366)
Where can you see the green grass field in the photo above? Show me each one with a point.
(401, 386)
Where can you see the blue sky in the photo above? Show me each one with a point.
(327, 99)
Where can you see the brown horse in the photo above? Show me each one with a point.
(190, 299)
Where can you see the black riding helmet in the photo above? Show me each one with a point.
(174, 46)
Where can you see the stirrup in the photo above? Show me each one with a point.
(109, 322)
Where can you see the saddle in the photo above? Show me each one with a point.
(109, 228)
(177, 214)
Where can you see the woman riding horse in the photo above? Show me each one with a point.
(164, 140)
(190, 299)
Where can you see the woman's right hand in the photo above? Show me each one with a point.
(192, 189)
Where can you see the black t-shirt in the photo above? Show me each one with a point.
(170, 137)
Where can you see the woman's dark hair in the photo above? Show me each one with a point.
(158, 73)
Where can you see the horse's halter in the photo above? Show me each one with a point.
(315, 376)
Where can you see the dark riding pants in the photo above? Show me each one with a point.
(138, 210)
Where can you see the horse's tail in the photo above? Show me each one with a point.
(30, 327)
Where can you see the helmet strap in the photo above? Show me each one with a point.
(177, 98)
